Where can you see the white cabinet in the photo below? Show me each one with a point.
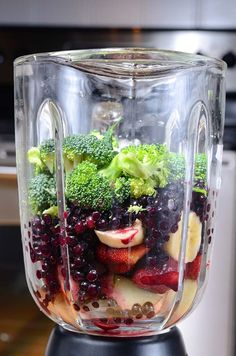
(121, 13)
(100, 13)
(14, 12)
(167, 13)
(217, 14)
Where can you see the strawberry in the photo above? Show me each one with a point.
(120, 260)
(105, 324)
(158, 279)
(192, 269)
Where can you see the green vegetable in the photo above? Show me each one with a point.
(146, 164)
(97, 134)
(135, 209)
(145, 161)
(47, 154)
(43, 157)
(122, 189)
(79, 148)
(53, 211)
(176, 166)
(42, 193)
(140, 186)
(87, 188)
(114, 170)
(200, 172)
(34, 158)
(96, 174)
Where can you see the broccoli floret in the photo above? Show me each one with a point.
(53, 211)
(43, 157)
(79, 148)
(114, 141)
(143, 161)
(200, 172)
(42, 193)
(136, 209)
(34, 158)
(47, 154)
(114, 170)
(140, 186)
(97, 134)
(88, 189)
(122, 189)
(176, 166)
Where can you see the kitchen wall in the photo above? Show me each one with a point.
(122, 13)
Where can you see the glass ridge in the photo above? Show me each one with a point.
(126, 61)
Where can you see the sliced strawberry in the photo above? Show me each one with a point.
(120, 268)
(105, 324)
(169, 279)
(157, 279)
(120, 260)
(192, 269)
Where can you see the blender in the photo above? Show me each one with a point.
(118, 159)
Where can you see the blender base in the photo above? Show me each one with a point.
(66, 343)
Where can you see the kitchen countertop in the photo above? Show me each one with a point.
(24, 330)
(9, 211)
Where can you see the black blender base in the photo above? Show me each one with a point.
(66, 343)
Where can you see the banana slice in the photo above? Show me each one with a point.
(172, 247)
(189, 293)
(120, 238)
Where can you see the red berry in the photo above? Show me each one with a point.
(78, 250)
(96, 215)
(193, 268)
(92, 290)
(90, 223)
(92, 275)
(39, 274)
(79, 227)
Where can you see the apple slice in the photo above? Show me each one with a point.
(120, 238)
(126, 294)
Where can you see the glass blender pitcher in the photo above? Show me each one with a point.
(118, 159)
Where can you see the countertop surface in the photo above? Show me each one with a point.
(24, 330)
